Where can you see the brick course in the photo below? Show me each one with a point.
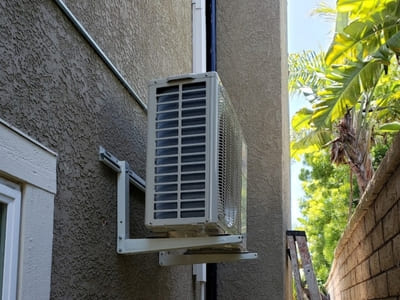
(369, 220)
(386, 257)
(381, 287)
(396, 250)
(394, 282)
(391, 223)
(374, 264)
(377, 236)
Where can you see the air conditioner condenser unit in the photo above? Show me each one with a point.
(196, 158)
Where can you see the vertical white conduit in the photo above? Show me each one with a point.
(199, 36)
(199, 65)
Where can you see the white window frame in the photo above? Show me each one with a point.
(10, 195)
(25, 161)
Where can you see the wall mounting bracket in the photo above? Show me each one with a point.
(167, 258)
(127, 245)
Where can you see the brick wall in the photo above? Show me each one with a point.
(367, 258)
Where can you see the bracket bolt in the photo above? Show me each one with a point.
(120, 237)
(119, 250)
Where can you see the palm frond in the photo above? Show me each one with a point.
(325, 11)
(368, 35)
(306, 71)
(348, 83)
(308, 141)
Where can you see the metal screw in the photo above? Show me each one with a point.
(120, 237)
(121, 222)
(120, 250)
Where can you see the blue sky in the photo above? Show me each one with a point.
(305, 32)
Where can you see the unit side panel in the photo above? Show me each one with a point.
(150, 155)
(212, 150)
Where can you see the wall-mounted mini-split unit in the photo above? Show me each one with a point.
(196, 176)
(196, 158)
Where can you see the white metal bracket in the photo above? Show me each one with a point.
(167, 258)
(127, 245)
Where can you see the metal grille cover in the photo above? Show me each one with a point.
(196, 157)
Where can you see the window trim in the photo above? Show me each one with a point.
(10, 195)
(34, 166)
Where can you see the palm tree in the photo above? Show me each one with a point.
(348, 87)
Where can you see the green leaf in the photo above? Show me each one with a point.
(302, 119)
(306, 70)
(353, 5)
(368, 34)
(390, 127)
(349, 82)
(363, 8)
(308, 141)
(325, 11)
(383, 55)
(394, 43)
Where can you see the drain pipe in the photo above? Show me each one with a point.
(100, 52)
(200, 271)
(199, 65)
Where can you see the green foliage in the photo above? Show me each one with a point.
(325, 208)
(372, 24)
(359, 71)
(390, 127)
(306, 71)
(378, 153)
(348, 82)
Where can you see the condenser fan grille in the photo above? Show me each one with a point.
(180, 151)
(196, 160)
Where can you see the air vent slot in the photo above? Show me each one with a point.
(180, 151)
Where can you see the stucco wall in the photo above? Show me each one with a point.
(251, 41)
(367, 258)
(33, 168)
(57, 90)
(144, 39)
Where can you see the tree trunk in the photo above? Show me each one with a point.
(353, 150)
